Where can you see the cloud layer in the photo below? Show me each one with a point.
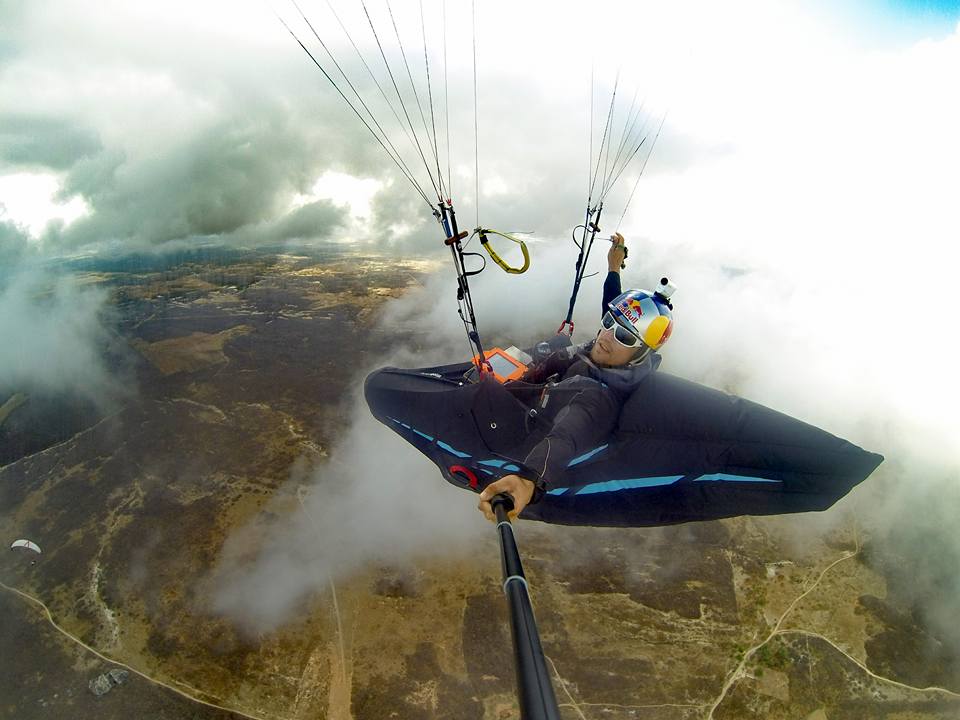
(55, 337)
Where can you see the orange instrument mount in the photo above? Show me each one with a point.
(505, 364)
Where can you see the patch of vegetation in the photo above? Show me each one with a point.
(773, 655)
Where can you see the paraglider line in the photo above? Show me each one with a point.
(591, 226)
(355, 92)
(433, 122)
(416, 97)
(403, 105)
(446, 98)
(629, 160)
(590, 157)
(373, 77)
(610, 119)
(356, 112)
(603, 140)
(628, 127)
(476, 121)
(642, 168)
(616, 169)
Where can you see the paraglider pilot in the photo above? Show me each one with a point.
(603, 373)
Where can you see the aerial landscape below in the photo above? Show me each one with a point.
(234, 383)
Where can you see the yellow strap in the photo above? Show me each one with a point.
(483, 232)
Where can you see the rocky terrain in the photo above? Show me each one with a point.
(235, 366)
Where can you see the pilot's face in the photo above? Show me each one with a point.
(607, 351)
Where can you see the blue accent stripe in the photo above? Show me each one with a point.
(615, 485)
(726, 477)
(449, 449)
(586, 456)
(508, 466)
(633, 483)
(421, 434)
(440, 443)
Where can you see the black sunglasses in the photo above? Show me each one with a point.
(622, 335)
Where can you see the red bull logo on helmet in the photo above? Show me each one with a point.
(631, 309)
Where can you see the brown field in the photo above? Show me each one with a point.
(133, 511)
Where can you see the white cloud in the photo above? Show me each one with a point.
(354, 193)
(31, 201)
(56, 338)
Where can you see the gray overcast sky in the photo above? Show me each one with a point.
(170, 121)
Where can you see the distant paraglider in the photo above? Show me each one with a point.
(26, 544)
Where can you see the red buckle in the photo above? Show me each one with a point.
(466, 472)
